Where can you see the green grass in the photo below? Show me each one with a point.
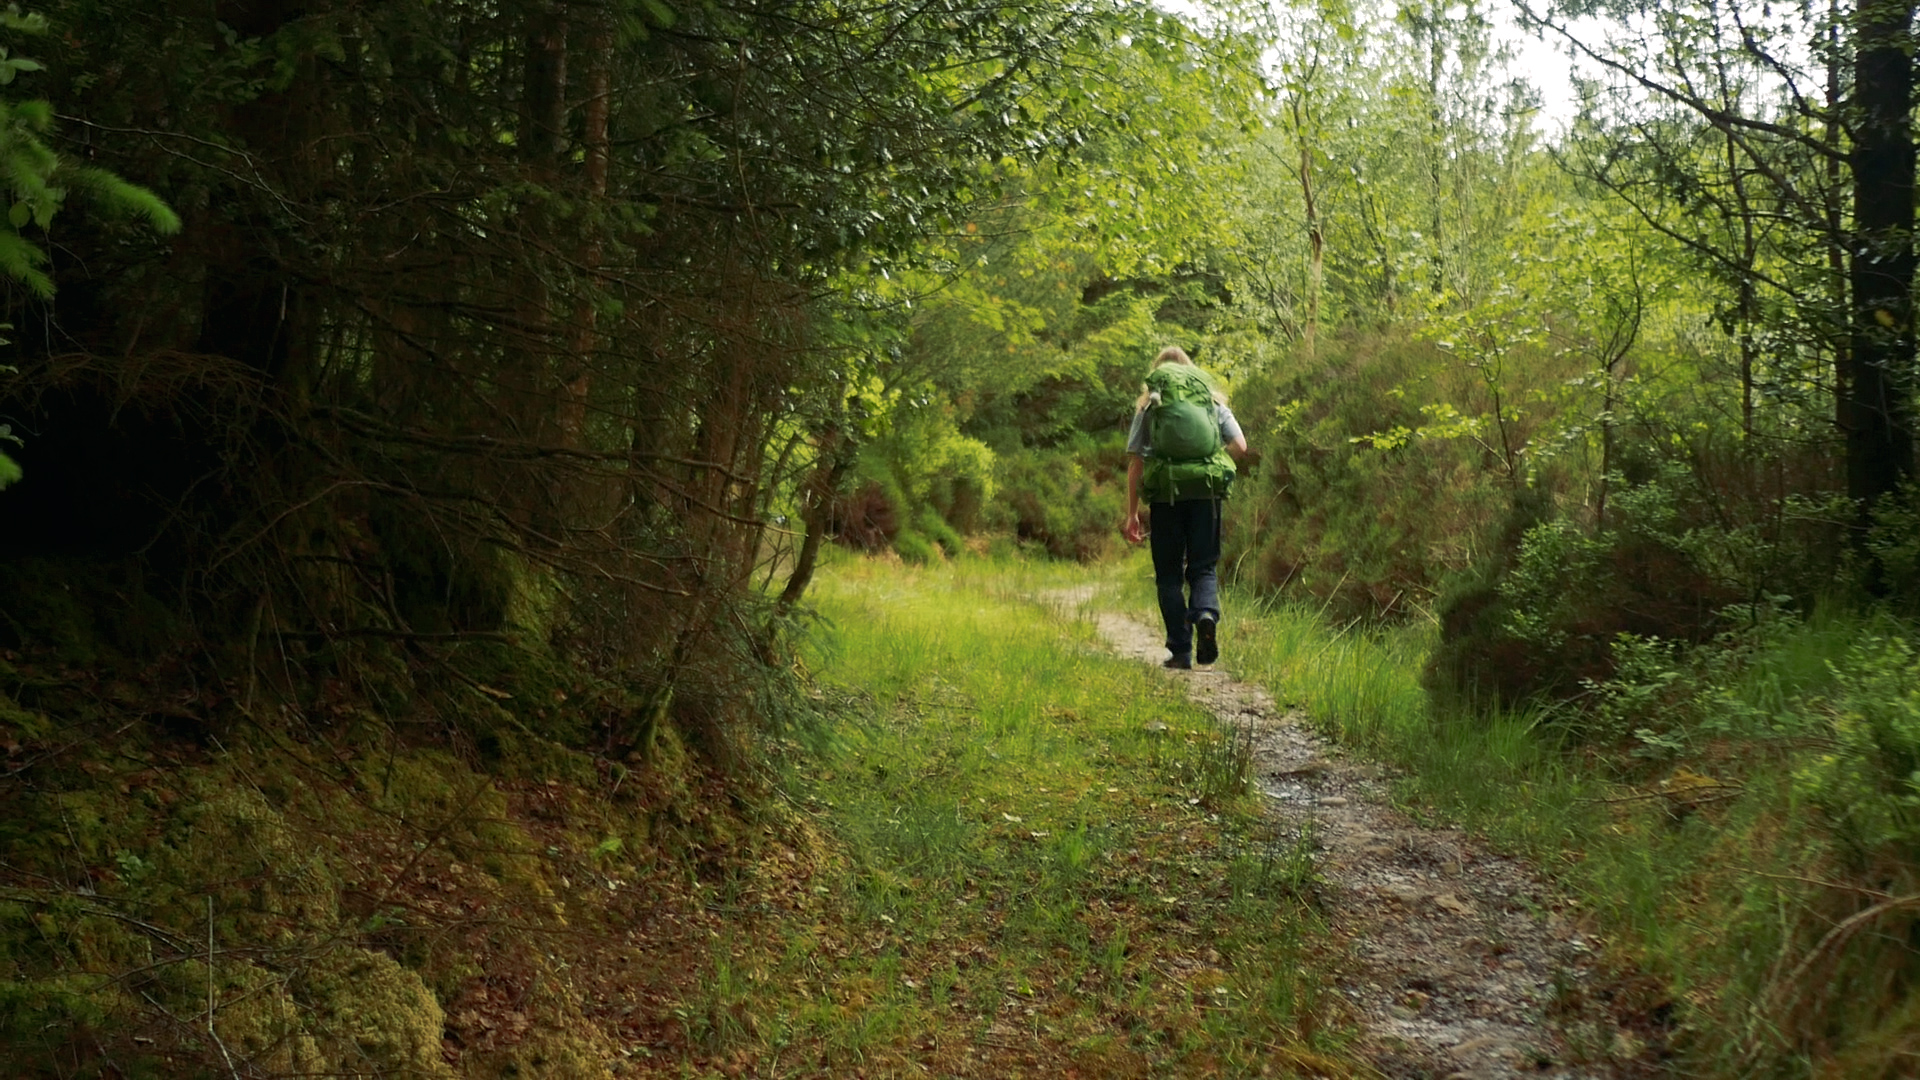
(1501, 772)
(1707, 907)
(1046, 861)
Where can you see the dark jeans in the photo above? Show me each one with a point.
(1186, 547)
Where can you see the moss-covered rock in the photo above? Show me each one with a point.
(366, 1013)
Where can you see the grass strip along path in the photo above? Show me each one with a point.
(1045, 861)
(1465, 961)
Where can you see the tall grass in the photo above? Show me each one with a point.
(1503, 772)
(1046, 859)
(1740, 829)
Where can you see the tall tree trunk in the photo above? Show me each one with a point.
(836, 457)
(1879, 414)
(526, 385)
(1436, 151)
(543, 88)
(1316, 240)
(1835, 209)
(1745, 314)
(576, 379)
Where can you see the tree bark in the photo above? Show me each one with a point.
(543, 92)
(1436, 153)
(1834, 206)
(1878, 412)
(1745, 313)
(576, 381)
(1316, 241)
(819, 496)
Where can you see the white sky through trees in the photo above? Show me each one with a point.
(1539, 62)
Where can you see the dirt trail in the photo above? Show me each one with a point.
(1455, 953)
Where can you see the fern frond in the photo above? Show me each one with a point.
(21, 260)
(114, 195)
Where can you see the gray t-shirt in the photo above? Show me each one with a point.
(1137, 434)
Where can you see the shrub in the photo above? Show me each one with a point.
(1365, 526)
(932, 526)
(1867, 783)
(1894, 541)
(921, 471)
(915, 548)
(865, 518)
(1542, 617)
(1048, 497)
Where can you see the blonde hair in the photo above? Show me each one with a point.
(1174, 354)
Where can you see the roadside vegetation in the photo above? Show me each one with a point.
(1735, 818)
(432, 442)
(1050, 863)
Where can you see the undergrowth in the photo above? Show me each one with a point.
(1051, 862)
(1738, 820)
(334, 892)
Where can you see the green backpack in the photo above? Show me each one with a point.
(1186, 458)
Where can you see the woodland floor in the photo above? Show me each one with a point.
(1460, 962)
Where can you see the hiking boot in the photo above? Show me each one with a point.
(1179, 663)
(1206, 646)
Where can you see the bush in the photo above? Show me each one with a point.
(1867, 784)
(1048, 497)
(1894, 541)
(1542, 617)
(1366, 528)
(915, 548)
(865, 518)
(930, 524)
(921, 477)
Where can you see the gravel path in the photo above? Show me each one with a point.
(1456, 955)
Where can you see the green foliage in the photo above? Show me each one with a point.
(1894, 542)
(1867, 780)
(1398, 171)
(923, 479)
(1642, 697)
(1032, 322)
(37, 179)
(915, 548)
(1050, 497)
(935, 527)
(1556, 616)
(1067, 822)
(1326, 511)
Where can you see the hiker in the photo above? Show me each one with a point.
(1181, 451)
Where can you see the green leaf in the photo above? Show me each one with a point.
(9, 472)
(26, 23)
(19, 214)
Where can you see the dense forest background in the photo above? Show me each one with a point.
(420, 401)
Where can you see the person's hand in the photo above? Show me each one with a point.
(1130, 528)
